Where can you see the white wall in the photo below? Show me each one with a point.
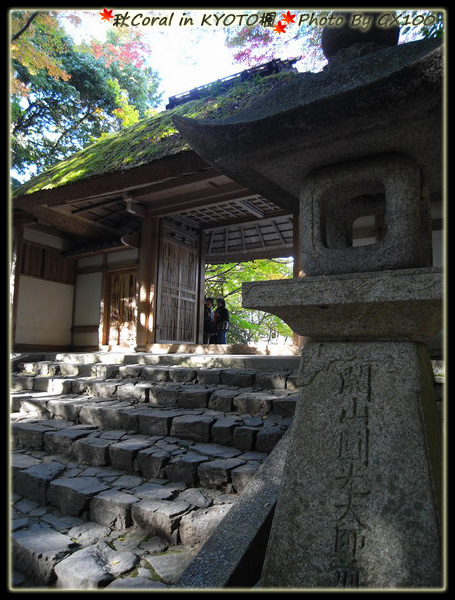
(88, 299)
(87, 307)
(44, 312)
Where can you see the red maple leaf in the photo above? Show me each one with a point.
(106, 15)
(288, 17)
(279, 28)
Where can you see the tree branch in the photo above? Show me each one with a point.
(74, 126)
(25, 27)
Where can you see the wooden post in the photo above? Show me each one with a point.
(147, 283)
(200, 321)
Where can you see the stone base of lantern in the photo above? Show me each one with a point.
(359, 503)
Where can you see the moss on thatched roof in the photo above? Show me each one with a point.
(152, 138)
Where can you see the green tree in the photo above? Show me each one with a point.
(60, 107)
(248, 326)
(37, 39)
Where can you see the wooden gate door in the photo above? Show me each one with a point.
(177, 310)
(121, 308)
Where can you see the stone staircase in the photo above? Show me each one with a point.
(122, 465)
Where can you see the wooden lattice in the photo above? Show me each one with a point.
(178, 293)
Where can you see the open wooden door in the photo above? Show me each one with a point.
(178, 290)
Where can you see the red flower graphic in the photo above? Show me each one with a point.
(106, 15)
(279, 28)
(288, 17)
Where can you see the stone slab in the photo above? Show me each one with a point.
(123, 454)
(222, 399)
(93, 451)
(182, 374)
(164, 394)
(361, 485)
(160, 517)
(217, 473)
(197, 526)
(33, 482)
(153, 421)
(253, 403)
(155, 373)
(152, 462)
(88, 533)
(244, 437)
(38, 549)
(268, 437)
(185, 468)
(29, 435)
(194, 396)
(108, 415)
(60, 442)
(93, 567)
(397, 304)
(223, 428)
(66, 408)
(238, 377)
(171, 565)
(136, 392)
(215, 450)
(242, 475)
(112, 508)
(72, 494)
(35, 407)
(22, 461)
(193, 427)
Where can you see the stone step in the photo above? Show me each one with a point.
(50, 376)
(79, 527)
(122, 466)
(103, 432)
(69, 484)
(275, 394)
(266, 362)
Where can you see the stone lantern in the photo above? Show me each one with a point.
(360, 503)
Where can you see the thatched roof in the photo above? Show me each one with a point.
(152, 138)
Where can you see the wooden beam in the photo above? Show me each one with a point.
(252, 209)
(280, 235)
(261, 237)
(102, 204)
(250, 254)
(180, 203)
(175, 182)
(241, 220)
(114, 183)
(73, 224)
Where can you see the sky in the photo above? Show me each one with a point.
(186, 54)
(188, 45)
